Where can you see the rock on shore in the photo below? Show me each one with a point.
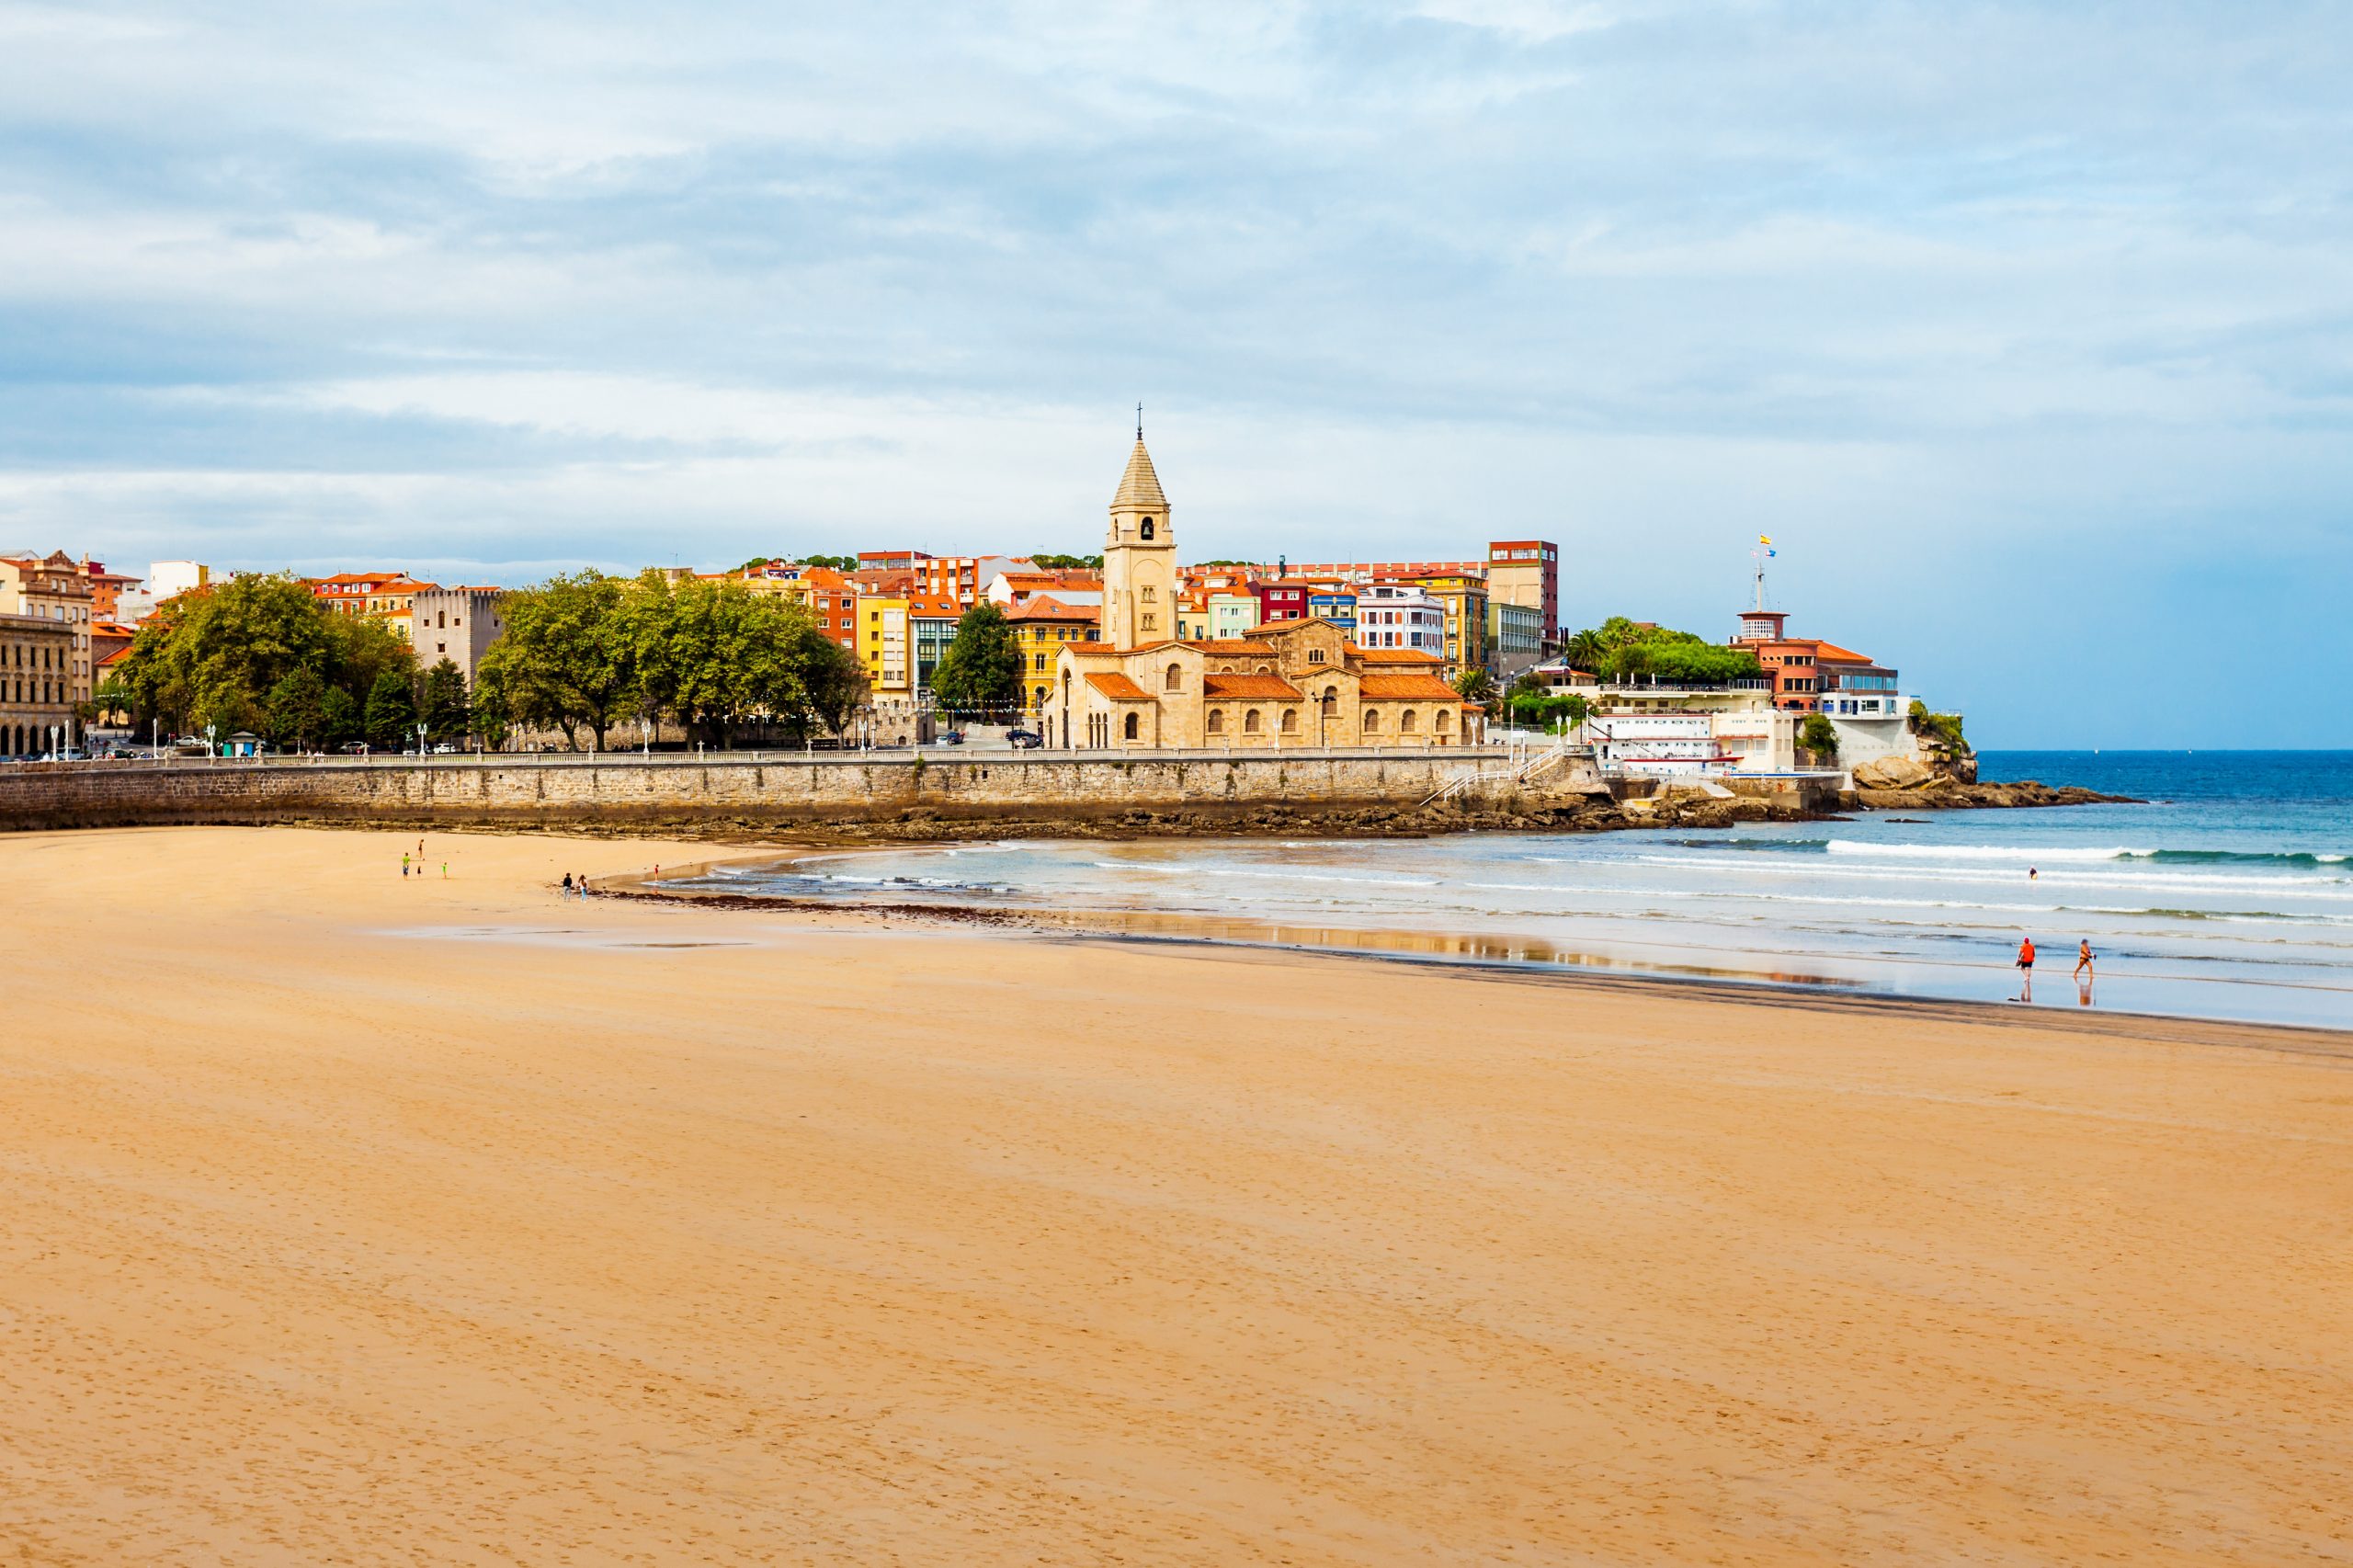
(1942, 793)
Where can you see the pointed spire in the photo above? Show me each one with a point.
(1140, 487)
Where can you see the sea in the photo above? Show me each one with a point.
(2227, 893)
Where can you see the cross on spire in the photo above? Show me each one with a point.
(1139, 422)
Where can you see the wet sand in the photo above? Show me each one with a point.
(345, 1218)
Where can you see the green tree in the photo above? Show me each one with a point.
(1554, 714)
(392, 711)
(445, 709)
(835, 683)
(1819, 735)
(715, 654)
(1943, 729)
(341, 717)
(1476, 685)
(1623, 650)
(217, 656)
(298, 709)
(981, 671)
(1051, 563)
(566, 660)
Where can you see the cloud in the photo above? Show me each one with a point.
(530, 285)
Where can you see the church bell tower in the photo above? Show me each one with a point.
(1138, 558)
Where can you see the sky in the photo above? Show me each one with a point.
(2025, 331)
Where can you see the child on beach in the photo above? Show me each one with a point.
(403, 862)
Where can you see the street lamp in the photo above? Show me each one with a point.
(420, 742)
(211, 756)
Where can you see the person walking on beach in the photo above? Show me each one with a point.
(2026, 969)
(403, 862)
(567, 886)
(2082, 959)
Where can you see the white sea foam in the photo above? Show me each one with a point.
(2025, 855)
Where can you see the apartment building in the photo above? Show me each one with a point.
(54, 588)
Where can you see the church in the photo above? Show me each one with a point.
(1297, 683)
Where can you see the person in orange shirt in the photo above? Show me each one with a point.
(2026, 969)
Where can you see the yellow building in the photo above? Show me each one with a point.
(1465, 597)
(1042, 625)
(886, 647)
(1298, 683)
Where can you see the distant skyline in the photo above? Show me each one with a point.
(2026, 330)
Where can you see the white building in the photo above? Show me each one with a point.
(1393, 615)
(166, 578)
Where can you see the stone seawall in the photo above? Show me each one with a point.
(781, 791)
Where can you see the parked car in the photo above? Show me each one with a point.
(951, 737)
(1024, 740)
(445, 748)
(354, 748)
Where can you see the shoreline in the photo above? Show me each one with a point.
(1485, 955)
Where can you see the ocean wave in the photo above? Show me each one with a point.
(2238, 857)
(2023, 854)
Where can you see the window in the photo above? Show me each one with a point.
(1217, 722)
(1315, 655)
(1147, 527)
(1250, 722)
(1148, 594)
(1443, 721)
(1371, 719)
(1290, 721)
(1150, 621)
(1409, 722)
(1174, 679)
(1132, 726)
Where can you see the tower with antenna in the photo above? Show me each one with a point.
(1758, 624)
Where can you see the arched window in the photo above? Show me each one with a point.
(1132, 726)
(1148, 594)
(1174, 679)
(1443, 721)
(1371, 719)
(1409, 722)
(1146, 531)
(1290, 721)
(1250, 722)
(1217, 720)
(1266, 669)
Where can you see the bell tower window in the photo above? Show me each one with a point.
(1145, 532)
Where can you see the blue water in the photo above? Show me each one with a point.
(2227, 894)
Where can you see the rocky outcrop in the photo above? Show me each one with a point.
(1893, 772)
(1942, 793)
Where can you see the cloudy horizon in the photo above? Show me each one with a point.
(2027, 330)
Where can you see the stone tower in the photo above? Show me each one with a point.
(1139, 558)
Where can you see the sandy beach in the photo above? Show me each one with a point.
(346, 1218)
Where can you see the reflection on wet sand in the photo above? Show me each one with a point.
(1451, 947)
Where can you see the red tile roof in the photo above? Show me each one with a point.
(1045, 606)
(1248, 686)
(1391, 656)
(1411, 688)
(1119, 687)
